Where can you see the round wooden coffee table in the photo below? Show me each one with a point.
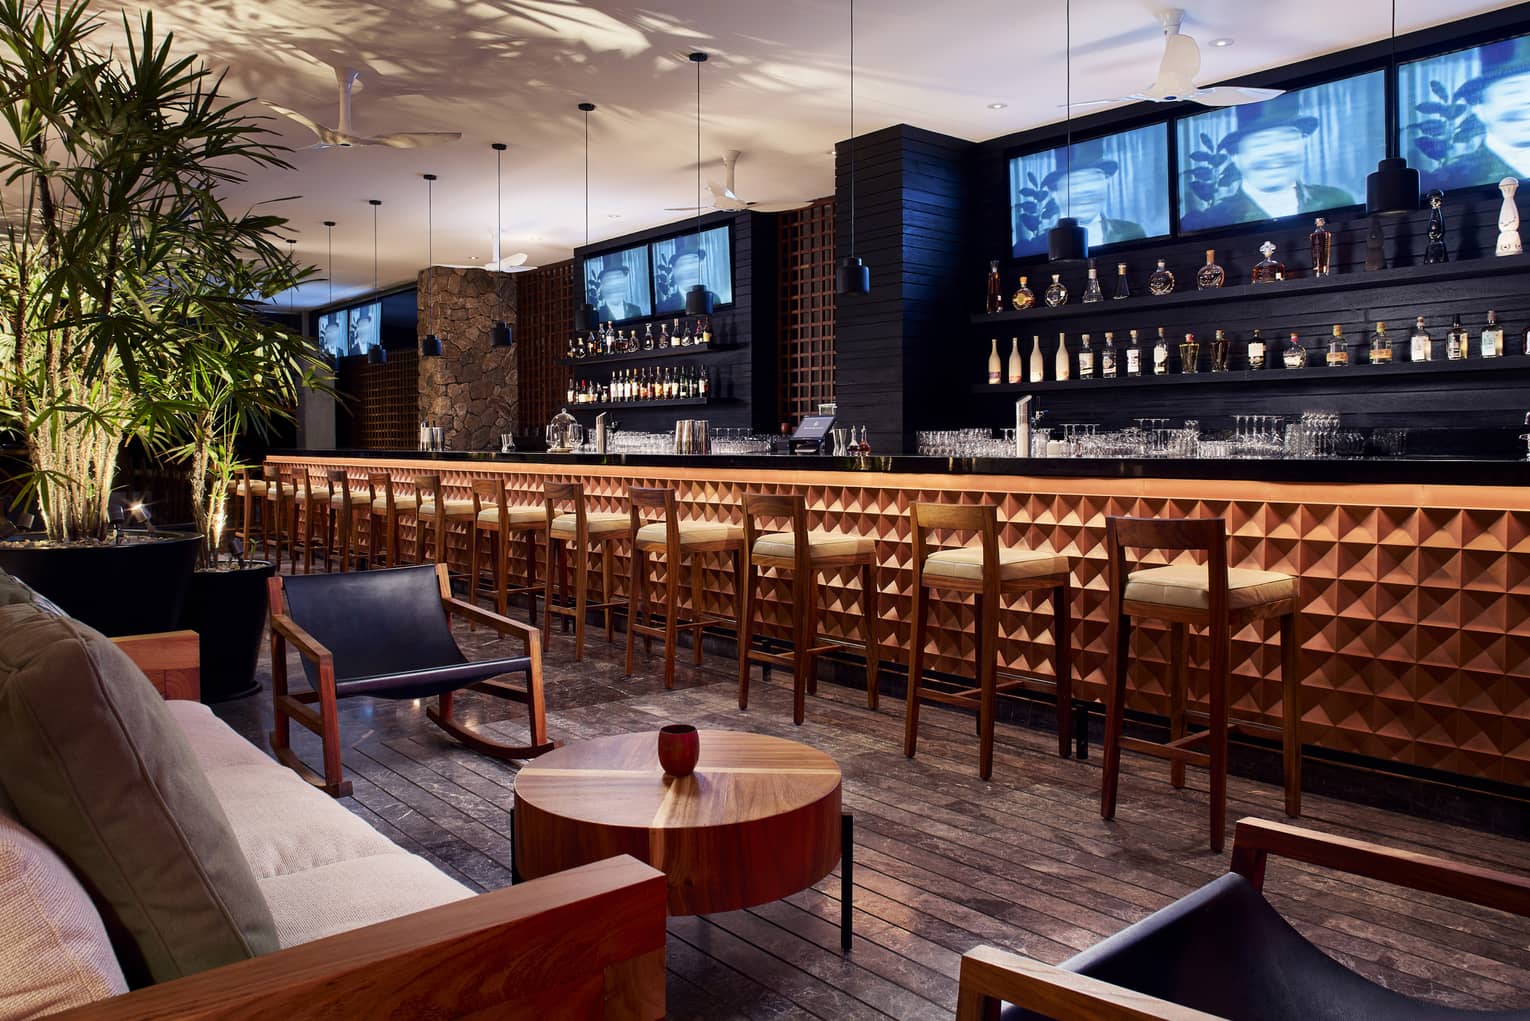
(759, 819)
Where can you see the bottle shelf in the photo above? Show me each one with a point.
(683, 402)
(1490, 266)
(646, 356)
(1347, 375)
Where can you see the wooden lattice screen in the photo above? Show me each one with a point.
(806, 247)
(383, 400)
(545, 319)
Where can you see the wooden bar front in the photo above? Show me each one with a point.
(1415, 597)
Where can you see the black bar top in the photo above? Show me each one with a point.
(1368, 471)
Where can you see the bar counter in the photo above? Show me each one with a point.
(1414, 574)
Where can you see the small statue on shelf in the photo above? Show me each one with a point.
(1508, 219)
(1435, 251)
(1375, 250)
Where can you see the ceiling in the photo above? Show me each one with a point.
(776, 87)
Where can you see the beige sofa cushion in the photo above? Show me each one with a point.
(349, 894)
(1189, 587)
(54, 952)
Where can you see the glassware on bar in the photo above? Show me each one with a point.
(1123, 289)
(1221, 352)
(1381, 345)
(1162, 281)
(1057, 293)
(1338, 350)
(1210, 275)
(1092, 292)
(1189, 355)
(1269, 270)
(1023, 298)
(995, 288)
(1321, 243)
(1294, 356)
(1256, 351)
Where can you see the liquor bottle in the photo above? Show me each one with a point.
(645, 386)
(1057, 294)
(1134, 356)
(648, 338)
(674, 335)
(1420, 345)
(704, 330)
(1434, 248)
(1023, 298)
(1221, 352)
(1381, 345)
(994, 368)
(1256, 351)
(1092, 292)
(1190, 354)
(1492, 337)
(706, 383)
(1060, 363)
(995, 288)
(688, 337)
(1269, 270)
(1524, 347)
(1038, 364)
(1321, 243)
(1295, 356)
(1016, 365)
(1161, 355)
(1086, 358)
(1458, 343)
(1210, 275)
(1338, 351)
(1123, 289)
(663, 341)
(1162, 281)
(1108, 356)
(572, 391)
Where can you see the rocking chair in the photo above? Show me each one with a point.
(387, 634)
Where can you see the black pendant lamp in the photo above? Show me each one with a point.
(375, 354)
(851, 275)
(499, 334)
(333, 358)
(584, 313)
(698, 300)
(1393, 189)
(1068, 241)
(430, 345)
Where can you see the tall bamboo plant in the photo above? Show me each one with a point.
(110, 185)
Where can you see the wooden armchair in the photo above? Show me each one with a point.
(387, 634)
(1224, 952)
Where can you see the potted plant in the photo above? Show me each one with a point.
(112, 163)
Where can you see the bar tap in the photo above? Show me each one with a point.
(602, 431)
(1023, 426)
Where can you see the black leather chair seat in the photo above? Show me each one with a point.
(429, 681)
(1224, 950)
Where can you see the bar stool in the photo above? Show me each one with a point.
(578, 531)
(493, 513)
(805, 554)
(1212, 596)
(989, 572)
(344, 530)
(390, 506)
(312, 507)
(430, 509)
(674, 540)
(279, 515)
(251, 494)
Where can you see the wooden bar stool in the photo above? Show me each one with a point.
(578, 531)
(674, 540)
(391, 508)
(805, 554)
(312, 506)
(251, 496)
(279, 515)
(1208, 595)
(432, 513)
(344, 530)
(990, 572)
(494, 514)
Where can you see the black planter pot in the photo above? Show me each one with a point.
(132, 588)
(227, 609)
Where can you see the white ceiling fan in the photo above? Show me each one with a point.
(726, 199)
(512, 263)
(344, 137)
(1176, 74)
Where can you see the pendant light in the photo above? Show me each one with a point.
(292, 291)
(430, 346)
(375, 354)
(1068, 241)
(852, 276)
(584, 314)
(698, 300)
(329, 279)
(500, 334)
(1393, 189)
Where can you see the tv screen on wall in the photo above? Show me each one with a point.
(680, 263)
(345, 332)
(617, 284)
(1463, 118)
(1302, 152)
(1115, 186)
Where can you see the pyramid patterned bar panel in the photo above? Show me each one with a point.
(1415, 599)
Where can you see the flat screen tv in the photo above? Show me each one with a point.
(1302, 152)
(1117, 189)
(617, 284)
(344, 332)
(1463, 118)
(679, 263)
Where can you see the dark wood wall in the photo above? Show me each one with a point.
(379, 404)
(806, 357)
(545, 314)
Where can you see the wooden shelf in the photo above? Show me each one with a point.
(645, 356)
(687, 402)
(1420, 275)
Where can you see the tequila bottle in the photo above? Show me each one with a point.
(1023, 298)
(1210, 275)
(1134, 356)
(1189, 354)
(1338, 351)
(1086, 358)
(993, 362)
(1061, 362)
(1092, 292)
(1038, 364)
(1458, 343)
(1161, 355)
(1123, 289)
(1420, 345)
(995, 288)
(1016, 364)
(1162, 281)
(1381, 345)
(1321, 243)
(1057, 294)
(1295, 356)
(1492, 337)
(1256, 351)
(1270, 270)
(1221, 352)
(648, 338)
(1108, 356)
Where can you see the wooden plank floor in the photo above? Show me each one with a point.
(944, 861)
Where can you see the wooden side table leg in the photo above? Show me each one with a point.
(846, 877)
(515, 845)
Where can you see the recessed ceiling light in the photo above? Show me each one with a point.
(997, 106)
(614, 216)
(1219, 43)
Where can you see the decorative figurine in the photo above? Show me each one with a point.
(1435, 250)
(1375, 252)
(1508, 219)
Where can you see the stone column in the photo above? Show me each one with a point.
(471, 390)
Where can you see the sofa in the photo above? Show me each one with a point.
(155, 864)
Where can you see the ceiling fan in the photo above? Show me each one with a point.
(513, 263)
(724, 197)
(1176, 75)
(344, 137)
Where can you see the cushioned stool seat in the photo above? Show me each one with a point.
(599, 523)
(255, 487)
(820, 544)
(458, 509)
(518, 517)
(966, 564)
(358, 503)
(1190, 587)
(692, 533)
(400, 503)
